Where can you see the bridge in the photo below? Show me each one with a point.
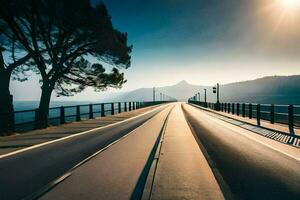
(163, 150)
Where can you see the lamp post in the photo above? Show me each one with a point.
(216, 89)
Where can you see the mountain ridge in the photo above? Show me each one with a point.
(269, 89)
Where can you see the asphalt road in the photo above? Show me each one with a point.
(114, 173)
(252, 166)
(26, 173)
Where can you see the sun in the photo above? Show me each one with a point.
(289, 5)
(282, 17)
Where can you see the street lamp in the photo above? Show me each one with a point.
(205, 102)
(216, 90)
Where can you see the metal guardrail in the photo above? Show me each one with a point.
(26, 120)
(283, 114)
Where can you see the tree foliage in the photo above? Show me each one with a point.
(59, 33)
(58, 36)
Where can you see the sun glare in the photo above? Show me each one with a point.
(289, 5)
(285, 14)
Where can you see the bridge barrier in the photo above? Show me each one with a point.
(26, 120)
(283, 114)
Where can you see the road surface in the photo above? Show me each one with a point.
(114, 173)
(29, 172)
(175, 151)
(182, 171)
(254, 167)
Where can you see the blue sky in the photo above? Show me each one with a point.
(201, 41)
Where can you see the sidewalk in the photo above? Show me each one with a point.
(263, 123)
(18, 141)
(182, 171)
(278, 132)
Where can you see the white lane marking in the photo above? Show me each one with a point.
(75, 135)
(246, 135)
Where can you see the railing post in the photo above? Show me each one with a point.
(12, 120)
(119, 107)
(125, 106)
(250, 111)
(238, 109)
(62, 115)
(272, 114)
(36, 122)
(102, 110)
(78, 113)
(244, 109)
(225, 107)
(291, 118)
(228, 110)
(133, 105)
(91, 111)
(233, 108)
(112, 109)
(129, 106)
(258, 114)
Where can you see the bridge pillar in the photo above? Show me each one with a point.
(62, 115)
(78, 118)
(112, 109)
(250, 111)
(258, 114)
(272, 114)
(91, 113)
(102, 110)
(291, 118)
(244, 109)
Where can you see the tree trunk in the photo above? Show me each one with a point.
(43, 113)
(6, 105)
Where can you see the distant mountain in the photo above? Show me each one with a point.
(271, 89)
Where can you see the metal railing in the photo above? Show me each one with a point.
(283, 114)
(26, 120)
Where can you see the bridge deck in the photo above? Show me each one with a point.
(156, 156)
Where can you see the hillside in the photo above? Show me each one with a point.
(272, 89)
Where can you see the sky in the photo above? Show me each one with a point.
(200, 41)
